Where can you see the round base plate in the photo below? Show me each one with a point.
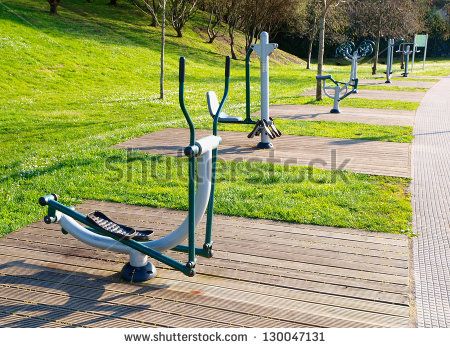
(388, 82)
(263, 146)
(138, 274)
(335, 111)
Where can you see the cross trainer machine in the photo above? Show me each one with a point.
(265, 127)
(405, 49)
(97, 230)
(339, 90)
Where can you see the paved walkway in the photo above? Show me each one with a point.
(431, 204)
(398, 81)
(384, 117)
(383, 95)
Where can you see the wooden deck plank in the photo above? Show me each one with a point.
(287, 285)
(328, 283)
(81, 293)
(384, 117)
(369, 157)
(251, 274)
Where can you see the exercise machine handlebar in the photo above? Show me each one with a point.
(182, 68)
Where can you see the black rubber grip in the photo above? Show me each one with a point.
(182, 68)
(227, 66)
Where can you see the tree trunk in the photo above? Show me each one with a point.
(163, 46)
(179, 32)
(320, 54)
(377, 51)
(154, 22)
(231, 34)
(53, 6)
(212, 33)
(310, 47)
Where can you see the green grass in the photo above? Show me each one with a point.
(349, 102)
(74, 85)
(329, 129)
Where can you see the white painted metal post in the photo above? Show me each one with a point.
(336, 100)
(390, 50)
(354, 72)
(425, 52)
(264, 49)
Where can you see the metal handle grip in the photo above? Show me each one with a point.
(182, 69)
(227, 66)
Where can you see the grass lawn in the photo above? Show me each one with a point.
(75, 84)
(329, 129)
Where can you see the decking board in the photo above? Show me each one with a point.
(243, 286)
(361, 156)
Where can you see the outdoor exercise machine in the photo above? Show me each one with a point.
(97, 230)
(405, 49)
(354, 55)
(339, 90)
(390, 60)
(265, 126)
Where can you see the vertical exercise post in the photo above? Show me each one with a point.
(389, 61)
(264, 49)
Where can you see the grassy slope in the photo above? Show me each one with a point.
(75, 84)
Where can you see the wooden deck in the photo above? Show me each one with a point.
(263, 274)
(361, 156)
(384, 117)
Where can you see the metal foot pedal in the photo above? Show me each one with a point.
(261, 126)
(123, 232)
(274, 128)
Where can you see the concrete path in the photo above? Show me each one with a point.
(398, 82)
(383, 95)
(382, 117)
(431, 205)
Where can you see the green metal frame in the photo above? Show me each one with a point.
(188, 268)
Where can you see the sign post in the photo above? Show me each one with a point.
(420, 41)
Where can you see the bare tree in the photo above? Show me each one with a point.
(180, 12)
(151, 8)
(54, 6)
(163, 47)
(216, 10)
(233, 16)
(265, 15)
(326, 6)
(387, 18)
(312, 18)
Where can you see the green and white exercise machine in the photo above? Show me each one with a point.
(265, 127)
(339, 90)
(97, 230)
(405, 49)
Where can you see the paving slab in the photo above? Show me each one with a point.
(382, 95)
(384, 117)
(400, 82)
(431, 207)
(263, 274)
(361, 156)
